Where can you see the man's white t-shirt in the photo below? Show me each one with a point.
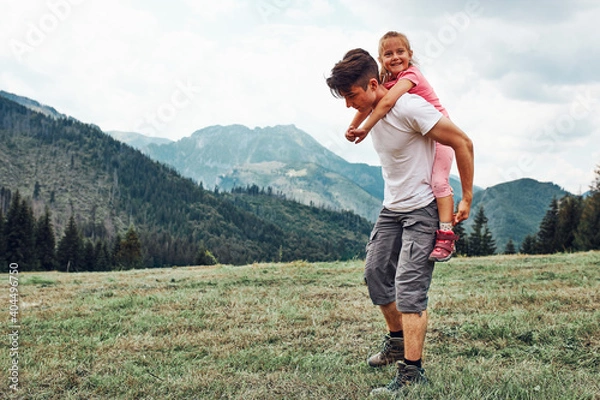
(405, 153)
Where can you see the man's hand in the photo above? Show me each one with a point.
(464, 208)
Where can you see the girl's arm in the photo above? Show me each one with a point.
(359, 117)
(386, 104)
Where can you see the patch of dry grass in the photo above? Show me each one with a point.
(503, 327)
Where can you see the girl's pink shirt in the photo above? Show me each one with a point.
(421, 88)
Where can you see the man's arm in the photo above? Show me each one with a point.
(446, 132)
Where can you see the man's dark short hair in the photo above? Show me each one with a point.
(356, 68)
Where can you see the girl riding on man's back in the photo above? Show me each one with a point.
(400, 75)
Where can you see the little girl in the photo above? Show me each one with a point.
(399, 75)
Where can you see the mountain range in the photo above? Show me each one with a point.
(285, 158)
(291, 163)
(75, 170)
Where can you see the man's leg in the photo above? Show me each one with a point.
(413, 278)
(393, 317)
(415, 328)
(393, 343)
(380, 272)
(410, 371)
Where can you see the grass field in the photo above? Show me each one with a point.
(502, 327)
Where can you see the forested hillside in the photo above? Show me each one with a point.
(75, 170)
(514, 209)
(107, 186)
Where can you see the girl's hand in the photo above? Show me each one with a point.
(350, 134)
(358, 135)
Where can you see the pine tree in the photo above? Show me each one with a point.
(102, 256)
(510, 247)
(475, 235)
(69, 253)
(569, 215)
(595, 186)
(129, 255)
(88, 257)
(45, 243)
(529, 245)
(488, 244)
(548, 232)
(462, 244)
(28, 221)
(19, 233)
(481, 242)
(587, 235)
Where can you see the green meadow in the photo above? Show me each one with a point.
(501, 327)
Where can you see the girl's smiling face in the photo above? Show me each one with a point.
(395, 56)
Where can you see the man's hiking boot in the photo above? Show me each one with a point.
(393, 350)
(406, 375)
(444, 246)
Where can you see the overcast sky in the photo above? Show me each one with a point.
(522, 78)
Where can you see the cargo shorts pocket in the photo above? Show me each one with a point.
(371, 239)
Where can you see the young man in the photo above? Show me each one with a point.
(397, 270)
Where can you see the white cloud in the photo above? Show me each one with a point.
(504, 71)
(211, 10)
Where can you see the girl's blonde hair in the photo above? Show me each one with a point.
(384, 74)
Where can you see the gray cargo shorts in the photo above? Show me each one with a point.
(397, 266)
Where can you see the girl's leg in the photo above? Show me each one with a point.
(440, 183)
(446, 212)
